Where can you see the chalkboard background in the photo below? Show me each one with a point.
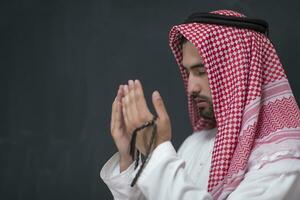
(61, 63)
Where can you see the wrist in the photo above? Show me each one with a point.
(125, 162)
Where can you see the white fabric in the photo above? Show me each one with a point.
(184, 175)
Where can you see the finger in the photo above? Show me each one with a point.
(128, 110)
(130, 85)
(119, 114)
(120, 94)
(159, 106)
(126, 103)
(129, 107)
(127, 124)
(141, 101)
(132, 106)
(114, 111)
(125, 90)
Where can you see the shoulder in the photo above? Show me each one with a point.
(281, 152)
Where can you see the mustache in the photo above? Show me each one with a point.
(206, 114)
(200, 98)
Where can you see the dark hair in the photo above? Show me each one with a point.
(183, 40)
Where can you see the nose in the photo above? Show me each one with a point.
(193, 85)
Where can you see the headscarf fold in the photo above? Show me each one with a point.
(253, 103)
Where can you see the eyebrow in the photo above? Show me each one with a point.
(195, 66)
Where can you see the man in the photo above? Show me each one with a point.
(245, 119)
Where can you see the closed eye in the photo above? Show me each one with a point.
(197, 69)
(201, 70)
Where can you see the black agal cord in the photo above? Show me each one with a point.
(258, 25)
(133, 151)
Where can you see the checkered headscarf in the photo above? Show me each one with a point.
(250, 93)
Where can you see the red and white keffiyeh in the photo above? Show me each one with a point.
(253, 103)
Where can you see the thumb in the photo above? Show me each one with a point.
(159, 105)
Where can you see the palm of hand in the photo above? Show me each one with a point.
(118, 128)
(130, 111)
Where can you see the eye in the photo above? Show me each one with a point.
(201, 71)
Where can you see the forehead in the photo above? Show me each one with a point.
(190, 55)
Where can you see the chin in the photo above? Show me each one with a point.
(207, 114)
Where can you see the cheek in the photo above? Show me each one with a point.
(205, 85)
(193, 81)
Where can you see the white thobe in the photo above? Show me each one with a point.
(183, 175)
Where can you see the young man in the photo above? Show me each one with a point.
(245, 119)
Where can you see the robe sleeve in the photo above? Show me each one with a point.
(276, 180)
(165, 177)
(119, 183)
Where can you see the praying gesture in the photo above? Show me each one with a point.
(130, 111)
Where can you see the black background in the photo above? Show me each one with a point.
(61, 64)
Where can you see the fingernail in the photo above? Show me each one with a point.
(131, 83)
(156, 94)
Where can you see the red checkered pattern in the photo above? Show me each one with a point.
(238, 63)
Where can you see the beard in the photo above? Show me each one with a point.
(204, 106)
(207, 112)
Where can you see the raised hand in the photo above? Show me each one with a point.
(118, 131)
(136, 113)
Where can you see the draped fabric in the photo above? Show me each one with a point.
(252, 100)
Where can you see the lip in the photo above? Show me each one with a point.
(199, 99)
(202, 104)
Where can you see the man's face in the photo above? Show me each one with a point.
(198, 85)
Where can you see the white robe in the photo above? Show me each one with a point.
(183, 175)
